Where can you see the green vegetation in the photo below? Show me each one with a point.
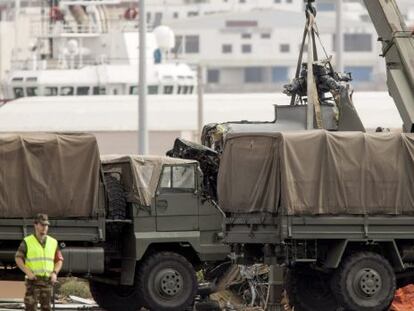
(75, 287)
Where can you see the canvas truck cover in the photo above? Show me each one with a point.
(146, 172)
(318, 172)
(57, 174)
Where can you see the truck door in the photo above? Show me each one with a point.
(176, 201)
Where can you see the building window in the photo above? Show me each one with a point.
(133, 90)
(157, 19)
(51, 91)
(285, 48)
(192, 13)
(246, 48)
(18, 92)
(168, 89)
(31, 91)
(265, 35)
(241, 23)
(253, 75)
(360, 73)
(82, 90)
(227, 48)
(277, 1)
(356, 42)
(280, 73)
(213, 76)
(99, 90)
(242, 1)
(288, 1)
(325, 7)
(246, 36)
(152, 89)
(192, 44)
(66, 91)
(178, 48)
(175, 15)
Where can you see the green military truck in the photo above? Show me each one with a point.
(138, 228)
(335, 208)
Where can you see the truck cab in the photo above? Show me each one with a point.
(160, 230)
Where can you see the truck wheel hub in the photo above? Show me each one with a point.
(170, 282)
(369, 282)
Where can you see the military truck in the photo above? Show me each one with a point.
(335, 208)
(138, 228)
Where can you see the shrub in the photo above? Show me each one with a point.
(75, 287)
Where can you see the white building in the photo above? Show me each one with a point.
(159, 10)
(164, 10)
(245, 45)
(257, 50)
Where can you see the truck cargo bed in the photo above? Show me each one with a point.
(85, 230)
(259, 229)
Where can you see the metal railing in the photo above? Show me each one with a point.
(67, 63)
(46, 28)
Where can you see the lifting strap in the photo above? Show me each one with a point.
(310, 32)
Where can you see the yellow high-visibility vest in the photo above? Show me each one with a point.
(39, 259)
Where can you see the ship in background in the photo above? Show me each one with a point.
(82, 51)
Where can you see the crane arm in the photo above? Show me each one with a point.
(398, 51)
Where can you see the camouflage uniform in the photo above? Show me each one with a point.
(38, 291)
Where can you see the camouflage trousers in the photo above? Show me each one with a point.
(38, 291)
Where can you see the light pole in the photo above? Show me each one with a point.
(200, 101)
(339, 37)
(142, 98)
(16, 27)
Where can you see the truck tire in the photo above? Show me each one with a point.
(309, 290)
(115, 297)
(116, 198)
(365, 281)
(166, 281)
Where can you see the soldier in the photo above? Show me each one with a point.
(40, 258)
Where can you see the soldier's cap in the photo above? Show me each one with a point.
(42, 219)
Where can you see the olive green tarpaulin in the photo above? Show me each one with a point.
(146, 172)
(318, 172)
(57, 174)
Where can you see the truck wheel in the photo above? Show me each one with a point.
(309, 290)
(114, 297)
(365, 281)
(166, 282)
(116, 198)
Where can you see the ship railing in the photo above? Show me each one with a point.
(76, 62)
(47, 28)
